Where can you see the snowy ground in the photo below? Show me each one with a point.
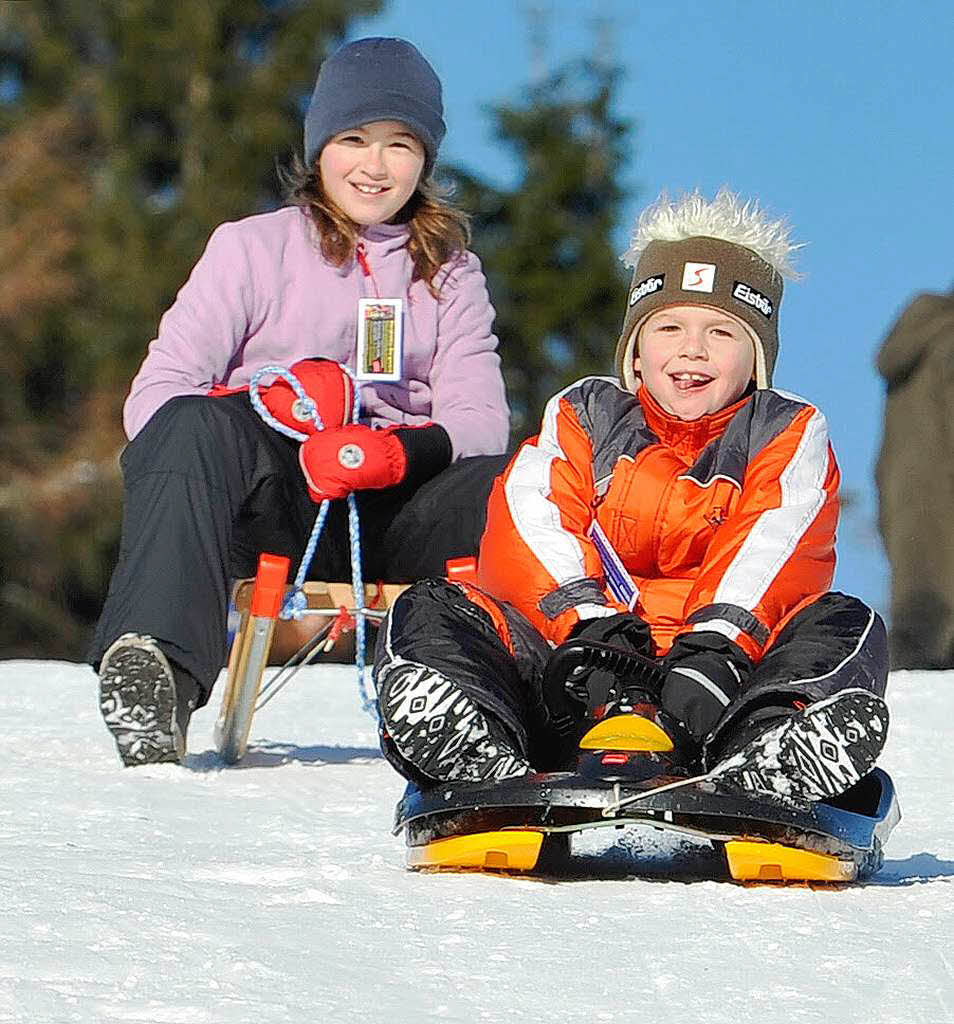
(274, 892)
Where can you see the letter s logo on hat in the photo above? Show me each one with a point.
(698, 277)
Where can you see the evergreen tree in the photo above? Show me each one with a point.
(554, 278)
(128, 130)
(184, 109)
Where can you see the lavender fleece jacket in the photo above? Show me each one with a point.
(262, 293)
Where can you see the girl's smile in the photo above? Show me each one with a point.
(370, 172)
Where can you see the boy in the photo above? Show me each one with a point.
(686, 512)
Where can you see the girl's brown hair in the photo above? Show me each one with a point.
(439, 230)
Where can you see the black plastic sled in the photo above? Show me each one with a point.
(624, 787)
(533, 824)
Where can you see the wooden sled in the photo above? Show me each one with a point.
(262, 639)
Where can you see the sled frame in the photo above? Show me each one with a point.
(258, 602)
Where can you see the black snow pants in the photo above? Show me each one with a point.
(209, 486)
(498, 658)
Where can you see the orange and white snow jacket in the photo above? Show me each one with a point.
(725, 524)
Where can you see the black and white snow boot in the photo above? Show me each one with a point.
(141, 702)
(438, 729)
(814, 753)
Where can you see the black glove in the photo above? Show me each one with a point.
(595, 687)
(704, 674)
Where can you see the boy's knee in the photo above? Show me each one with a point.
(847, 610)
(859, 640)
(834, 622)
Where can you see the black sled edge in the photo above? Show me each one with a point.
(850, 829)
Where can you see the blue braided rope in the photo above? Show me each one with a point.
(357, 585)
(296, 602)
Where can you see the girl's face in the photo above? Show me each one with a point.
(370, 172)
(695, 360)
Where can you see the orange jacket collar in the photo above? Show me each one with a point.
(686, 435)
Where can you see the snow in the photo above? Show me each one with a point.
(274, 891)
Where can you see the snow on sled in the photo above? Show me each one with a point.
(625, 781)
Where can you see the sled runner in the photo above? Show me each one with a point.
(329, 616)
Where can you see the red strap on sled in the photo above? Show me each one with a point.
(344, 623)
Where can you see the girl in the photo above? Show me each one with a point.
(368, 268)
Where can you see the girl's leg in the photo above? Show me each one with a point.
(208, 487)
(205, 483)
(443, 519)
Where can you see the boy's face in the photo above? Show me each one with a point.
(694, 360)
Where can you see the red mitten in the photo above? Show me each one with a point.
(331, 389)
(353, 458)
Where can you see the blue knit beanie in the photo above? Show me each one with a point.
(375, 79)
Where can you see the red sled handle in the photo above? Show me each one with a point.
(269, 591)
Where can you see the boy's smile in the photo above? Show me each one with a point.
(694, 360)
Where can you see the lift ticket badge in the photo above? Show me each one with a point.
(379, 339)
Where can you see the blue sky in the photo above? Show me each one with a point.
(837, 116)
